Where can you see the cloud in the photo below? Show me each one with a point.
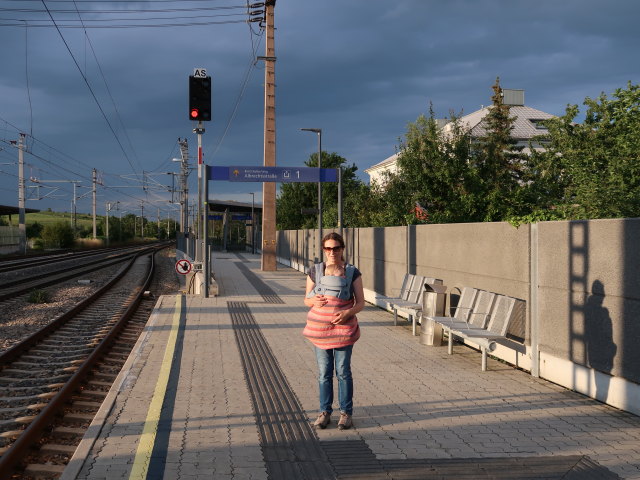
(360, 70)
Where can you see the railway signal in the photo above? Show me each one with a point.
(200, 96)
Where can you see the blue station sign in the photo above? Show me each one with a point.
(273, 174)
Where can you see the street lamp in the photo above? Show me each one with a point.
(253, 235)
(319, 132)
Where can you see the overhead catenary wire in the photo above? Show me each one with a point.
(91, 90)
(115, 107)
(26, 74)
(243, 87)
(127, 15)
(56, 163)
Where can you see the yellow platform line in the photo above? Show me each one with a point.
(148, 436)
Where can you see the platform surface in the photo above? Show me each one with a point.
(226, 388)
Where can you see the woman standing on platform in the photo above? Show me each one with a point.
(335, 295)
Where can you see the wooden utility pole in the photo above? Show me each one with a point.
(269, 189)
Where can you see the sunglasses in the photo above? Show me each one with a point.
(332, 249)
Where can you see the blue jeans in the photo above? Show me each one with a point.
(341, 358)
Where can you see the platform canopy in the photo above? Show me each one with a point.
(8, 210)
(234, 207)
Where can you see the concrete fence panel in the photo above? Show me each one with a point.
(580, 281)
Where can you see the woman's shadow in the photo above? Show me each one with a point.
(600, 347)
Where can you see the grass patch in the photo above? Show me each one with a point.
(39, 296)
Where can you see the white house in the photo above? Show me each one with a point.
(528, 124)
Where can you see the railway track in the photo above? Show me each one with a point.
(52, 383)
(73, 267)
(13, 264)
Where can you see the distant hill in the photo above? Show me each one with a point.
(46, 218)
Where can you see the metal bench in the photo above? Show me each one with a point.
(413, 305)
(485, 322)
(403, 294)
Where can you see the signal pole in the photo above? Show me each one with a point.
(200, 235)
(269, 189)
(184, 174)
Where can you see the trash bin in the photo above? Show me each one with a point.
(433, 301)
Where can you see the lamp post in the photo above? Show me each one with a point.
(319, 132)
(253, 235)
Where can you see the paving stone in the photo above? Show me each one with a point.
(410, 402)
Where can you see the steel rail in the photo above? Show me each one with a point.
(33, 432)
(28, 262)
(60, 275)
(19, 348)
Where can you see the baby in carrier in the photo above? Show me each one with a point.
(331, 285)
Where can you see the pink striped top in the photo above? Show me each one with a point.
(323, 334)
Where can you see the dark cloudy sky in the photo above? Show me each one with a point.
(358, 69)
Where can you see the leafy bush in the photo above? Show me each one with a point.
(58, 235)
(34, 230)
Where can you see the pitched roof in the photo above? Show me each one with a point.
(387, 161)
(526, 125)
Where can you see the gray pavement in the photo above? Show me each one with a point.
(418, 412)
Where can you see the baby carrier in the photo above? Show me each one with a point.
(331, 285)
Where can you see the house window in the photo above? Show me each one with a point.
(538, 124)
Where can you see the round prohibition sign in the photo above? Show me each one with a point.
(183, 266)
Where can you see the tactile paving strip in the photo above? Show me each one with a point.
(266, 292)
(290, 447)
(292, 450)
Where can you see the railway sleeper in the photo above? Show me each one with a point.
(9, 435)
(56, 355)
(63, 364)
(11, 425)
(22, 375)
(107, 376)
(99, 384)
(26, 390)
(78, 417)
(115, 357)
(76, 338)
(69, 350)
(69, 431)
(11, 412)
(43, 470)
(121, 350)
(91, 394)
(58, 449)
(32, 380)
(86, 404)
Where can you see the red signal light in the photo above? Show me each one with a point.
(195, 113)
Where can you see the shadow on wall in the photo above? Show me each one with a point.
(412, 247)
(378, 260)
(598, 332)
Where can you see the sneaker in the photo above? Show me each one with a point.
(323, 420)
(345, 421)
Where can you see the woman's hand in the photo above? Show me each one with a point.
(341, 317)
(319, 301)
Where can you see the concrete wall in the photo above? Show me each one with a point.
(9, 239)
(589, 294)
(580, 281)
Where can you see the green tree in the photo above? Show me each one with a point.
(434, 172)
(596, 163)
(34, 230)
(295, 196)
(58, 235)
(500, 164)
